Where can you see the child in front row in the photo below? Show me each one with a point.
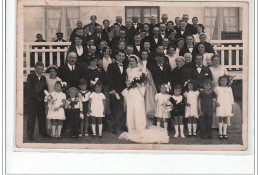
(206, 104)
(225, 102)
(163, 106)
(56, 103)
(75, 111)
(178, 110)
(97, 108)
(84, 97)
(191, 109)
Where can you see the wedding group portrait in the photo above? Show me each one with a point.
(134, 74)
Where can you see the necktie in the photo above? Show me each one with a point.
(83, 94)
(198, 66)
(120, 64)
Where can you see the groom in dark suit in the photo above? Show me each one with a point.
(117, 82)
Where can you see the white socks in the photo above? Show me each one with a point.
(59, 130)
(181, 130)
(100, 129)
(176, 130)
(220, 128)
(194, 129)
(189, 128)
(94, 128)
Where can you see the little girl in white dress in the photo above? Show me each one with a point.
(163, 106)
(225, 102)
(191, 109)
(97, 108)
(56, 103)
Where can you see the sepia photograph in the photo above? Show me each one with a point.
(132, 75)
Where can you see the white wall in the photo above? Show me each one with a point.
(174, 12)
(34, 22)
(102, 13)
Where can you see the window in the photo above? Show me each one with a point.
(221, 19)
(144, 13)
(61, 20)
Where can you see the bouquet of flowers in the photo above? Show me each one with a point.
(168, 106)
(136, 79)
(73, 103)
(49, 98)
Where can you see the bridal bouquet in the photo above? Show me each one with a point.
(49, 98)
(135, 79)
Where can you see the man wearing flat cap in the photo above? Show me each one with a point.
(62, 56)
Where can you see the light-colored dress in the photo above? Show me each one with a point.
(162, 110)
(216, 73)
(192, 99)
(97, 105)
(51, 83)
(138, 130)
(56, 101)
(197, 38)
(225, 99)
(207, 59)
(172, 60)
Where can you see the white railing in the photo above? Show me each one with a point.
(230, 51)
(52, 48)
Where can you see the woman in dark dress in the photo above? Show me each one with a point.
(79, 50)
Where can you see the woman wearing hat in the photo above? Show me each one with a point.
(51, 80)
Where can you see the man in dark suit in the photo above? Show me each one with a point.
(98, 36)
(162, 28)
(200, 73)
(194, 25)
(117, 77)
(155, 39)
(93, 19)
(73, 33)
(116, 40)
(152, 24)
(35, 86)
(169, 27)
(62, 55)
(160, 71)
(130, 30)
(164, 19)
(177, 23)
(172, 38)
(183, 31)
(208, 47)
(79, 32)
(119, 21)
(137, 26)
(188, 46)
(185, 18)
(70, 73)
(106, 24)
(137, 45)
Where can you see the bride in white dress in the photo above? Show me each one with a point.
(140, 103)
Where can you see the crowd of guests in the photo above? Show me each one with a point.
(86, 89)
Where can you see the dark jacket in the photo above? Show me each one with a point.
(35, 88)
(116, 80)
(70, 77)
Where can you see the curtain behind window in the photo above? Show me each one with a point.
(53, 23)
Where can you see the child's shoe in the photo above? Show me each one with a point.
(86, 134)
(80, 135)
